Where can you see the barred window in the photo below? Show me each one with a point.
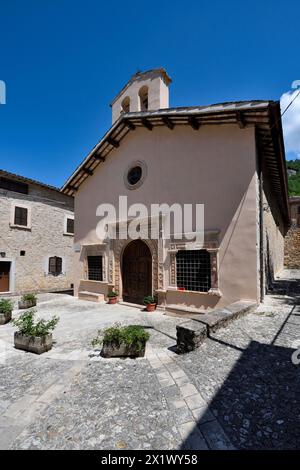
(95, 268)
(193, 270)
(70, 225)
(55, 265)
(21, 216)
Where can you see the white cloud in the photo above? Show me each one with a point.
(291, 121)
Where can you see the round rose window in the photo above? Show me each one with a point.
(134, 175)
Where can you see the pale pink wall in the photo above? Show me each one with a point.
(215, 166)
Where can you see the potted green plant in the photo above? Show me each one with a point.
(112, 297)
(122, 341)
(6, 308)
(150, 303)
(34, 336)
(27, 301)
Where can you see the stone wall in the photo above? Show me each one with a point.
(274, 232)
(44, 238)
(292, 248)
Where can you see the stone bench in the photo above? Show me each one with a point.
(192, 333)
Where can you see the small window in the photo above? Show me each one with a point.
(70, 225)
(134, 175)
(143, 94)
(193, 270)
(298, 209)
(22, 253)
(55, 265)
(125, 105)
(95, 268)
(21, 216)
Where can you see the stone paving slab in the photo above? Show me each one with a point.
(238, 390)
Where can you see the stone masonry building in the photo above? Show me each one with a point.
(229, 157)
(36, 236)
(292, 240)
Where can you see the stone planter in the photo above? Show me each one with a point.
(122, 350)
(22, 304)
(35, 344)
(112, 300)
(5, 317)
(150, 307)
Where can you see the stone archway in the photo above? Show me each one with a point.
(136, 269)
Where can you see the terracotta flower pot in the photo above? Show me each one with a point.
(112, 300)
(150, 307)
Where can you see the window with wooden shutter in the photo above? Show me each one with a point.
(21, 216)
(70, 225)
(55, 265)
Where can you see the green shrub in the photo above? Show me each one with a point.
(112, 294)
(149, 299)
(27, 325)
(6, 305)
(29, 298)
(132, 335)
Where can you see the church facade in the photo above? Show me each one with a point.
(227, 159)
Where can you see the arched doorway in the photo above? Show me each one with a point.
(136, 272)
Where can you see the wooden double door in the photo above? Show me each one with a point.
(4, 276)
(136, 272)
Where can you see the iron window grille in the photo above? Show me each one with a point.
(193, 270)
(21, 216)
(55, 265)
(95, 266)
(70, 225)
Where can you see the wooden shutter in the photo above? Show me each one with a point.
(70, 225)
(21, 218)
(55, 265)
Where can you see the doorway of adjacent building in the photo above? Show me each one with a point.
(4, 276)
(136, 272)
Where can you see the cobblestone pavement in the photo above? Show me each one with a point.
(238, 390)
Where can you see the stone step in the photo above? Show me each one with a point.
(91, 296)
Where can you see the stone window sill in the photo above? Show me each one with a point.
(20, 227)
(91, 280)
(215, 292)
(67, 234)
(55, 275)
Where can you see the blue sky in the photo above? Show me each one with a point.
(63, 61)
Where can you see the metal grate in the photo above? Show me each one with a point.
(193, 270)
(95, 268)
